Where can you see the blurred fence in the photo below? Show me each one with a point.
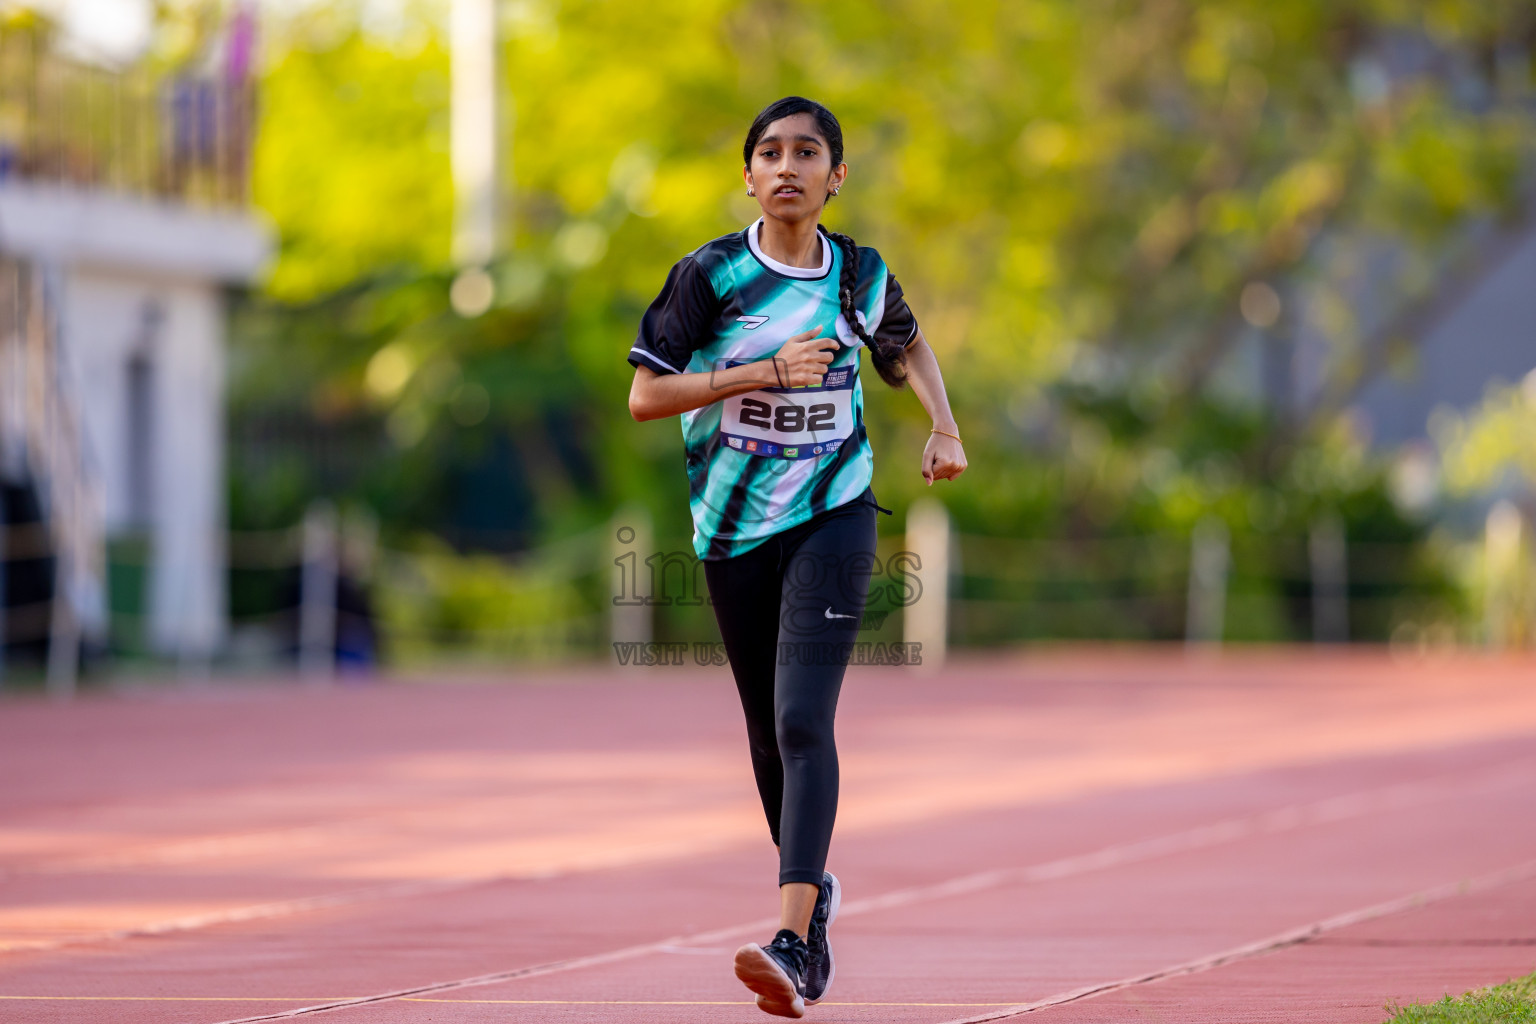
(1278, 589)
(323, 596)
(181, 135)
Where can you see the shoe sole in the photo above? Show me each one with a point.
(762, 974)
(835, 902)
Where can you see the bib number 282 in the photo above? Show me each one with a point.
(787, 418)
(792, 423)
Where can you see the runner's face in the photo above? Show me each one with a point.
(792, 170)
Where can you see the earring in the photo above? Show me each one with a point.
(837, 189)
(750, 192)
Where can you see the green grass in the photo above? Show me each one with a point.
(1514, 1002)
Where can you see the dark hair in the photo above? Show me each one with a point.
(890, 359)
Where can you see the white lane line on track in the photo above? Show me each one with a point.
(1273, 944)
(1285, 819)
(1380, 799)
(1335, 808)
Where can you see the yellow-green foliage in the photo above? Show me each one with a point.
(1039, 173)
(434, 601)
(1499, 436)
(352, 160)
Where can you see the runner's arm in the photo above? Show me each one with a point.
(655, 395)
(803, 360)
(943, 456)
(928, 383)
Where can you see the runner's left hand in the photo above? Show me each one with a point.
(943, 458)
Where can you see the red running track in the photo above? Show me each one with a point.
(1077, 836)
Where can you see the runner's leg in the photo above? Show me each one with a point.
(745, 593)
(826, 581)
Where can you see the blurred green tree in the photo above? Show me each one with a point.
(1091, 205)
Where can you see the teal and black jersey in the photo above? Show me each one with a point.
(766, 460)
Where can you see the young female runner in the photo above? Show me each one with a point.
(755, 341)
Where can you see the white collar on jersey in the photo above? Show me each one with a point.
(785, 268)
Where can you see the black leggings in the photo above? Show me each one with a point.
(789, 611)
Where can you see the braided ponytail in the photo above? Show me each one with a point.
(890, 359)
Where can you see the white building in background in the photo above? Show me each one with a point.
(1483, 331)
(1473, 327)
(118, 249)
(136, 289)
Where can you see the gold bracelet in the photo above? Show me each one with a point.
(946, 433)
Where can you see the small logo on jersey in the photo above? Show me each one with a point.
(833, 446)
(734, 442)
(751, 446)
(834, 615)
(791, 453)
(770, 449)
(751, 323)
(816, 450)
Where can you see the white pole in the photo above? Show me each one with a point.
(1327, 555)
(63, 512)
(475, 131)
(1208, 562)
(1501, 555)
(317, 593)
(926, 620)
(629, 608)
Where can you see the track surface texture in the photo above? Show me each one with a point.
(1073, 836)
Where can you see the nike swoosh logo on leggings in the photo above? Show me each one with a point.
(833, 615)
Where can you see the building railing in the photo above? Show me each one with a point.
(42, 447)
(181, 136)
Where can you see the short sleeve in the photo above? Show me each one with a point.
(678, 320)
(897, 322)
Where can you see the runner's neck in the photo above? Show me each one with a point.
(792, 243)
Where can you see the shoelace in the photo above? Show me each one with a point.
(817, 939)
(794, 951)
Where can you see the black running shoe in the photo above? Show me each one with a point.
(819, 969)
(776, 972)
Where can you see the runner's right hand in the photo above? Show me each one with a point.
(804, 358)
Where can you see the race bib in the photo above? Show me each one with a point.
(791, 423)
